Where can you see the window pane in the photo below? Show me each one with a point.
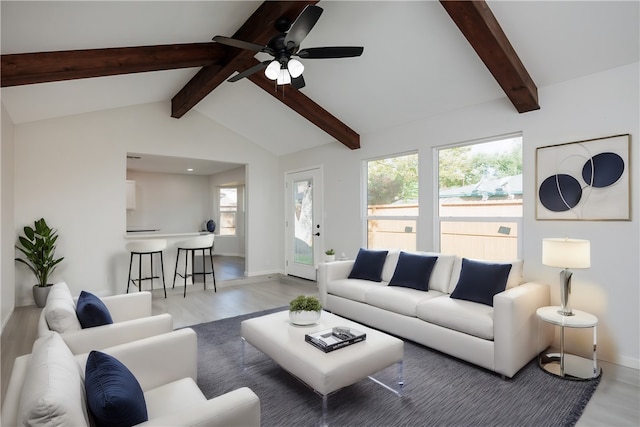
(227, 223)
(391, 233)
(228, 199)
(392, 186)
(484, 240)
(481, 180)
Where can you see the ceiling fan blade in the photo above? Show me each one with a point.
(301, 27)
(298, 82)
(330, 52)
(249, 71)
(241, 44)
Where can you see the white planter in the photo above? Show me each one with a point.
(329, 258)
(304, 317)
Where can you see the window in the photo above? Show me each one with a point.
(228, 197)
(480, 199)
(392, 202)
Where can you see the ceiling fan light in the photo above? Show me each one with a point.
(284, 78)
(273, 70)
(295, 68)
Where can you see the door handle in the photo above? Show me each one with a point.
(317, 234)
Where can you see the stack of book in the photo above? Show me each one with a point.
(335, 338)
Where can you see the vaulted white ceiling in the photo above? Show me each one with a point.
(416, 63)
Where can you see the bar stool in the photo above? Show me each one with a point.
(190, 246)
(146, 247)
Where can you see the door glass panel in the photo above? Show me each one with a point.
(303, 221)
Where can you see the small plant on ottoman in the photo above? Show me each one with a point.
(304, 310)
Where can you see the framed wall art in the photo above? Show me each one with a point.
(584, 180)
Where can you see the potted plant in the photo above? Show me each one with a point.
(329, 255)
(304, 310)
(39, 246)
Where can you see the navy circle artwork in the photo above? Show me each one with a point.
(551, 198)
(607, 169)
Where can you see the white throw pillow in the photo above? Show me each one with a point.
(60, 310)
(53, 390)
(390, 265)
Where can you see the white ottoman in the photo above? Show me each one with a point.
(323, 372)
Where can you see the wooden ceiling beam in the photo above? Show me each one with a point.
(308, 109)
(478, 24)
(259, 29)
(43, 67)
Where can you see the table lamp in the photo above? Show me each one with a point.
(566, 253)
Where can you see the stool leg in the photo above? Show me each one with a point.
(129, 277)
(162, 269)
(151, 257)
(175, 270)
(186, 265)
(204, 272)
(139, 272)
(213, 272)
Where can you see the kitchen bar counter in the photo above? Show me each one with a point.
(136, 235)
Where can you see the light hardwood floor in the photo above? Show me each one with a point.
(615, 402)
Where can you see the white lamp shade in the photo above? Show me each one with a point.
(272, 70)
(284, 78)
(295, 68)
(566, 253)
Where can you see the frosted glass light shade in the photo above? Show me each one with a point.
(284, 78)
(272, 70)
(566, 253)
(295, 68)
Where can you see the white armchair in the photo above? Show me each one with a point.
(131, 315)
(164, 365)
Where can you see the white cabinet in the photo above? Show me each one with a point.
(131, 195)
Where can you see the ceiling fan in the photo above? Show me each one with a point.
(283, 68)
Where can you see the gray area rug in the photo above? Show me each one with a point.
(439, 390)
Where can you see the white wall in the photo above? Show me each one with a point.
(7, 237)
(172, 202)
(595, 106)
(72, 171)
(230, 245)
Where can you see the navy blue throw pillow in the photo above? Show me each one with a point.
(114, 396)
(91, 311)
(368, 265)
(413, 271)
(480, 281)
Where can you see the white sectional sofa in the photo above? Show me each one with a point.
(502, 338)
(47, 387)
(131, 315)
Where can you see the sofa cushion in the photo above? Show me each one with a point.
(91, 311)
(353, 289)
(441, 274)
(460, 315)
(480, 281)
(169, 398)
(114, 396)
(60, 310)
(413, 271)
(399, 300)
(515, 275)
(390, 265)
(368, 265)
(53, 392)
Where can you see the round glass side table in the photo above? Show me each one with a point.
(566, 365)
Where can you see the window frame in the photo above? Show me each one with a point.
(438, 220)
(239, 204)
(365, 198)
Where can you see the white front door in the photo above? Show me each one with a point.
(303, 224)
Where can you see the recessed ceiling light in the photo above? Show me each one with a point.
(190, 170)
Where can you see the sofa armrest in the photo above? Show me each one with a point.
(238, 408)
(125, 307)
(157, 360)
(101, 337)
(11, 403)
(518, 335)
(329, 271)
